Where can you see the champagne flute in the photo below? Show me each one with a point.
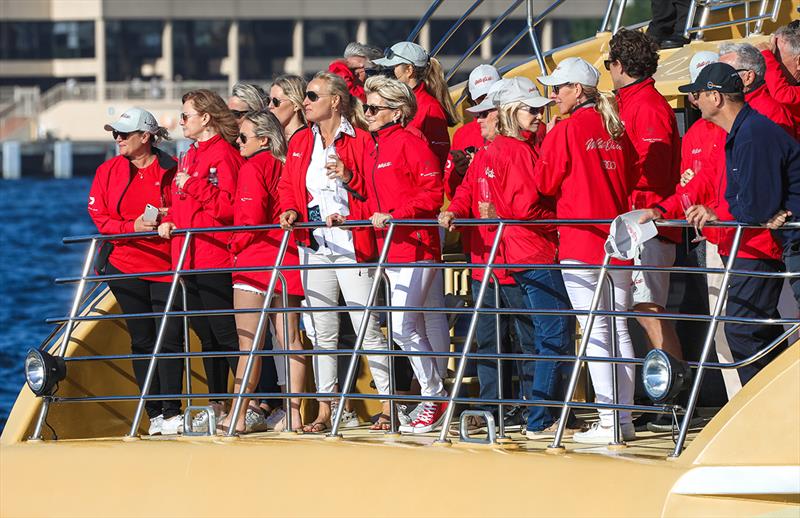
(686, 203)
(484, 196)
(183, 167)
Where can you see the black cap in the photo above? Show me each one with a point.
(720, 77)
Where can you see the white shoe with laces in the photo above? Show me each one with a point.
(155, 425)
(598, 434)
(173, 425)
(350, 419)
(200, 421)
(429, 418)
(254, 421)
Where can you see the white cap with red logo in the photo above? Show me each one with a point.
(481, 79)
(572, 70)
(699, 62)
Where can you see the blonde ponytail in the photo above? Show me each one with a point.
(433, 76)
(606, 106)
(358, 118)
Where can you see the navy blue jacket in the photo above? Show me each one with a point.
(763, 171)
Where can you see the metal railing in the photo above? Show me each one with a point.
(370, 307)
(710, 6)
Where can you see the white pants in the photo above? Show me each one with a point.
(415, 287)
(322, 290)
(580, 286)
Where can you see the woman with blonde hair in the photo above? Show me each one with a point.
(412, 65)
(202, 196)
(246, 97)
(323, 178)
(286, 102)
(588, 164)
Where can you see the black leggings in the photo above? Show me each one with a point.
(140, 296)
(217, 333)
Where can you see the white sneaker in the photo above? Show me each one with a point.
(173, 425)
(350, 419)
(597, 434)
(200, 421)
(254, 421)
(275, 417)
(402, 417)
(155, 425)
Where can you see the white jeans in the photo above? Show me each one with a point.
(322, 290)
(415, 287)
(580, 286)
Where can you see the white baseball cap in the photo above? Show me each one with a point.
(572, 70)
(626, 235)
(488, 103)
(135, 119)
(699, 61)
(403, 52)
(481, 79)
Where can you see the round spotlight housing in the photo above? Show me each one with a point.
(663, 376)
(43, 371)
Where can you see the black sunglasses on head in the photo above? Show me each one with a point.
(390, 54)
(122, 134)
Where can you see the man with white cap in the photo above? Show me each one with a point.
(501, 176)
(467, 139)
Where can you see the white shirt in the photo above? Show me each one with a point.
(329, 195)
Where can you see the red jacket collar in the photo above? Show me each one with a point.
(633, 89)
(387, 130)
(420, 88)
(208, 143)
(759, 90)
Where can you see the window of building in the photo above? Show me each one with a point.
(385, 33)
(132, 48)
(506, 33)
(323, 38)
(460, 41)
(264, 46)
(46, 40)
(199, 47)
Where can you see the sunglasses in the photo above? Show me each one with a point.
(556, 88)
(390, 54)
(607, 63)
(696, 95)
(243, 138)
(483, 115)
(314, 96)
(277, 102)
(185, 116)
(373, 109)
(532, 110)
(239, 113)
(123, 134)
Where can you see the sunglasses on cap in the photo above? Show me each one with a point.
(123, 134)
(390, 54)
(373, 109)
(314, 96)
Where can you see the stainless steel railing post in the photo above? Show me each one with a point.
(362, 330)
(473, 328)
(453, 28)
(186, 348)
(614, 366)
(587, 331)
(287, 371)
(422, 21)
(707, 345)
(498, 336)
(262, 320)
(531, 23)
(620, 12)
(607, 16)
(162, 328)
(62, 349)
(392, 382)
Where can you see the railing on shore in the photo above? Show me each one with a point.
(371, 306)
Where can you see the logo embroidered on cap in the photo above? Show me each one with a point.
(482, 80)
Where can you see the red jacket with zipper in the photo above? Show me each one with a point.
(781, 88)
(507, 164)
(340, 68)
(118, 196)
(591, 176)
(761, 101)
(653, 130)
(404, 179)
(703, 152)
(203, 204)
(256, 203)
(431, 120)
(294, 195)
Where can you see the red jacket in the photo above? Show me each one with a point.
(782, 89)
(468, 135)
(431, 120)
(591, 176)
(294, 196)
(118, 196)
(704, 153)
(653, 129)
(341, 69)
(761, 101)
(203, 204)
(256, 203)
(404, 179)
(507, 164)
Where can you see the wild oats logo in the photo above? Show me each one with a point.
(596, 143)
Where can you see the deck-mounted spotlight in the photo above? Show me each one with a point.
(664, 376)
(43, 371)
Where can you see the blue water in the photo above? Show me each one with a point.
(35, 215)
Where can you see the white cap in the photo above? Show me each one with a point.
(572, 70)
(403, 52)
(481, 79)
(699, 61)
(488, 103)
(626, 235)
(135, 119)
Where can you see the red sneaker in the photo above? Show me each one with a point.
(430, 417)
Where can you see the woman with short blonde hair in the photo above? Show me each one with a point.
(286, 103)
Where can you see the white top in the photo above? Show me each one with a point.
(330, 195)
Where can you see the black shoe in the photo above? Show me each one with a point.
(515, 418)
(673, 42)
(661, 423)
(641, 423)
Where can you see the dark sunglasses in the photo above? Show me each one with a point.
(314, 96)
(532, 110)
(483, 115)
(373, 109)
(239, 113)
(122, 134)
(390, 54)
(556, 88)
(607, 63)
(696, 95)
(277, 102)
(243, 138)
